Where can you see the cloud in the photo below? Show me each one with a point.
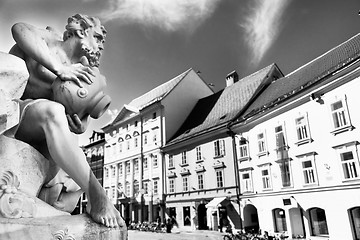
(263, 25)
(112, 113)
(168, 15)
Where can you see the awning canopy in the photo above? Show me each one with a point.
(215, 202)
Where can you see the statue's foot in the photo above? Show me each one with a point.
(103, 211)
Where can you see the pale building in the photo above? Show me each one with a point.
(94, 152)
(298, 150)
(134, 164)
(201, 190)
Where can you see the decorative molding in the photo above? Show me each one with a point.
(184, 172)
(63, 235)
(13, 203)
(200, 168)
(219, 164)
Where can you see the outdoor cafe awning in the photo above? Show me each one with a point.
(215, 202)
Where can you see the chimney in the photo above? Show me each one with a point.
(232, 78)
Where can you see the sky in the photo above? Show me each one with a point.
(151, 41)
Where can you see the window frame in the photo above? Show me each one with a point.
(345, 115)
(219, 176)
(302, 129)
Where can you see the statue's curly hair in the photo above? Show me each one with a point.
(80, 22)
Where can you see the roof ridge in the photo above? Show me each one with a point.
(322, 55)
(163, 84)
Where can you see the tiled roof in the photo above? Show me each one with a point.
(222, 106)
(305, 76)
(157, 93)
(154, 95)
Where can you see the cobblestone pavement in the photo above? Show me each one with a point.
(179, 235)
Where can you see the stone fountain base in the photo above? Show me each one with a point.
(75, 227)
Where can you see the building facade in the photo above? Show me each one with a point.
(94, 152)
(201, 185)
(134, 164)
(297, 150)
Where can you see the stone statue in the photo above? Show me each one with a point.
(64, 87)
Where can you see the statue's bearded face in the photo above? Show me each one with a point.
(92, 45)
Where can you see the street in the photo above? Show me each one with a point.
(196, 235)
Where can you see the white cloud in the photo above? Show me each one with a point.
(263, 25)
(112, 113)
(168, 15)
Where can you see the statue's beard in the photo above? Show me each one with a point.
(92, 56)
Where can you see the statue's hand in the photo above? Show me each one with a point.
(76, 72)
(75, 124)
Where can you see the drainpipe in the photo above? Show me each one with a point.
(236, 171)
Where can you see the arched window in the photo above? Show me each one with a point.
(355, 221)
(318, 222)
(279, 220)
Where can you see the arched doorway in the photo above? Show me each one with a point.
(296, 222)
(354, 214)
(251, 220)
(279, 220)
(201, 213)
(318, 222)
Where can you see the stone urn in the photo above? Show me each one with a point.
(90, 99)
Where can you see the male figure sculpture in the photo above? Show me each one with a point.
(44, 123)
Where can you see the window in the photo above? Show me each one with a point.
(318, 222)
(198, 154)
(127, 167)
(146, 187)
(136, 142)
(120, 147)
(285, 173)
(183, 158)
(145, 139)
(355, 222)
(340, 115)
(219, 147)
(155, 160)
(280, 138)
(136, 165)
(266, 178)
(201, 181)
(171, 185)
(113, 192)
(154, 115)
(128, 144)
(308, 168)
(106, 172)
(136, 187)
(219, 179)
(113, 171)
(302, 129)
(279, 220)
(185, 183)
(156, 187)
(243, 148)
(127, 189)
(261, 143)
(246, 182)
(350, 165)
(145, 163)
(136, 123)
(171, 161)
(154, 136)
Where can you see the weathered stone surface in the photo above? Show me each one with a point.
(13, 79)
(25, 162)
(78, 227)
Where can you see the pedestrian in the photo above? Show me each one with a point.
(168, 225)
